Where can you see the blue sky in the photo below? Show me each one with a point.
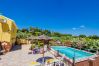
(65, 16)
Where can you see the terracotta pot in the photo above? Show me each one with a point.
(6, 46)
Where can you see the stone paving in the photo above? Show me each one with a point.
(20, 57)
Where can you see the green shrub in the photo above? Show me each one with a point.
(32, 46)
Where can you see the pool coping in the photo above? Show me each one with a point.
(79, 59)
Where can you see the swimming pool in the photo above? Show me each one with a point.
(71, 52)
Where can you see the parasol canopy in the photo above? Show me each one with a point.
(43, 59)
(44, 37)
(34, 64)
(32, 37)
(52, 60)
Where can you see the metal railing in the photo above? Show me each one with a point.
(59, 63)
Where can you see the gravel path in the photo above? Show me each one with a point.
(20, 57)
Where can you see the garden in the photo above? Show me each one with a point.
(82, 42)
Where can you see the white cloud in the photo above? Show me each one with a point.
(82, 26)
(74, 28)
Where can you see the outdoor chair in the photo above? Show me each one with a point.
(57, 64)
(62, 64)
(54, 64)
(36, 51)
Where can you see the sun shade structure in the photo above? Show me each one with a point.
(44, 37)
(52, 60)
(43, 59)
(41, 37)
(34, 64)
(32, 38)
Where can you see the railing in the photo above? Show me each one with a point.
(55, 64)
(59, 63)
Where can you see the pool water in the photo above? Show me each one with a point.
(71, 52)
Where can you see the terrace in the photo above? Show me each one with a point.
(20, 57)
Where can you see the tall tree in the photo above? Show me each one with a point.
(94, 37)
(82, 36)
(24, 30)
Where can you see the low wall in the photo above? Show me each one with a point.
(83, 63)
(88, 62)
(94, 62)
(22, 41)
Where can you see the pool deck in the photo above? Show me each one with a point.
(20, 57)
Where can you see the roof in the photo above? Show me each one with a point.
(40, 37)
(32, 37)
(44, 37)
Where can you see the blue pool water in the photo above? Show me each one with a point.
(69, 52)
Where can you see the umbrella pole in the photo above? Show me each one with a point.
(43, 56)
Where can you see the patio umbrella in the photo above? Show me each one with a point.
(43, 59)
(34, 64)
(52, 60)
(44, 37)
(32, 37)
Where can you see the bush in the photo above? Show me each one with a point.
(32, 46)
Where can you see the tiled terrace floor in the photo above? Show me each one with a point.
(20, 57)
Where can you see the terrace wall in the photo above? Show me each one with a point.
(89, 62)
(96, 61)
(83, 63)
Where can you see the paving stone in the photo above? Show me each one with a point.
(20, 57)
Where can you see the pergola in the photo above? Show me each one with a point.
(31, 37)
(45, 39)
